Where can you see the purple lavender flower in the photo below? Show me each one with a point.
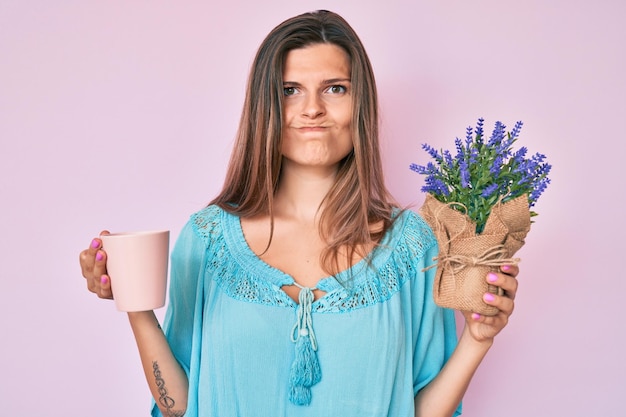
(417, 168)
(447, 157)
(489, 190)
(496, 165)
(473, 156)
(469, 137)
(464, 173)
(480, 174)
(520, 154)
(429, 169)
(479, 127)
(497, 136)
(432, 152)
(516, 129)
(460, 151)
(436, 186)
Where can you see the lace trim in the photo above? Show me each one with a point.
(237, 282)
(389, 267)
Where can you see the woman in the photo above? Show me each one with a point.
(299, 290)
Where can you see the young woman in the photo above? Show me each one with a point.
(300, 291)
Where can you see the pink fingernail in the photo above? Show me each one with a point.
(506, 267)
(99, 256)
(491, 277)
(103, 279)
(489, 297)
(476, 316)
(95, 244)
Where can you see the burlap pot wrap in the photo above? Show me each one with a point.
(465, 257)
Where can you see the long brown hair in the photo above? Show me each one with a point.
(358, 208)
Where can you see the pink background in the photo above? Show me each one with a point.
(120, 114)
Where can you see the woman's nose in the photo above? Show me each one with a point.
(313, 106)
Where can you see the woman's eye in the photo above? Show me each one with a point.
(337, 89)
(289, 91)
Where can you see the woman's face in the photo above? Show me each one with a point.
(317, 107)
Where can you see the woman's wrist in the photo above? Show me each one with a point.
(142, 318)
(468, 340)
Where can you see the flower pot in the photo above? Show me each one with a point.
(465, 257)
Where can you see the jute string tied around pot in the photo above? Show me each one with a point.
(466, 257)
(491, 257)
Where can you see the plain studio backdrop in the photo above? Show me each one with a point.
(121, 115)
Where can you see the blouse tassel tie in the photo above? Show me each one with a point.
(305, 369)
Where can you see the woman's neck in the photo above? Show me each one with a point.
(301, 192)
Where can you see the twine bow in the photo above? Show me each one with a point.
(495, 256)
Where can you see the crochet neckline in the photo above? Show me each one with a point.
(246, 257)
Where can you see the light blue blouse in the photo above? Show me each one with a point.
(379, 336)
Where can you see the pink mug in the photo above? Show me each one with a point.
(137, 264)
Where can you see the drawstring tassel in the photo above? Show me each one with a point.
(305, 372)
(305, 369)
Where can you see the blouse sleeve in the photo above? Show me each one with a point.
(435, 336)
(183, 318)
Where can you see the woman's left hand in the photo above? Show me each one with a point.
(485, 328)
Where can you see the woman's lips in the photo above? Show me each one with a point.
(312, 128)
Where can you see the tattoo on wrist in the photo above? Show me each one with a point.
(166, 402)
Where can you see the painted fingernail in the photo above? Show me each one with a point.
(99, 256)
(506, 267)
(491, 277)
(489, 297)
(103, 279)
(476, 316)
(95, 244)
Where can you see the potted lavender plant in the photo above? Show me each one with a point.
(478, 204)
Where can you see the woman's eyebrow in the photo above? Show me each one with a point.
(325, 82)
(336, 80)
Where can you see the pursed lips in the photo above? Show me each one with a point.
(311, 128)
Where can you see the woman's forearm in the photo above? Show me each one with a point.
(166, 378)
(441, 397)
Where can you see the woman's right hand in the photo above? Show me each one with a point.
(93, 265)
